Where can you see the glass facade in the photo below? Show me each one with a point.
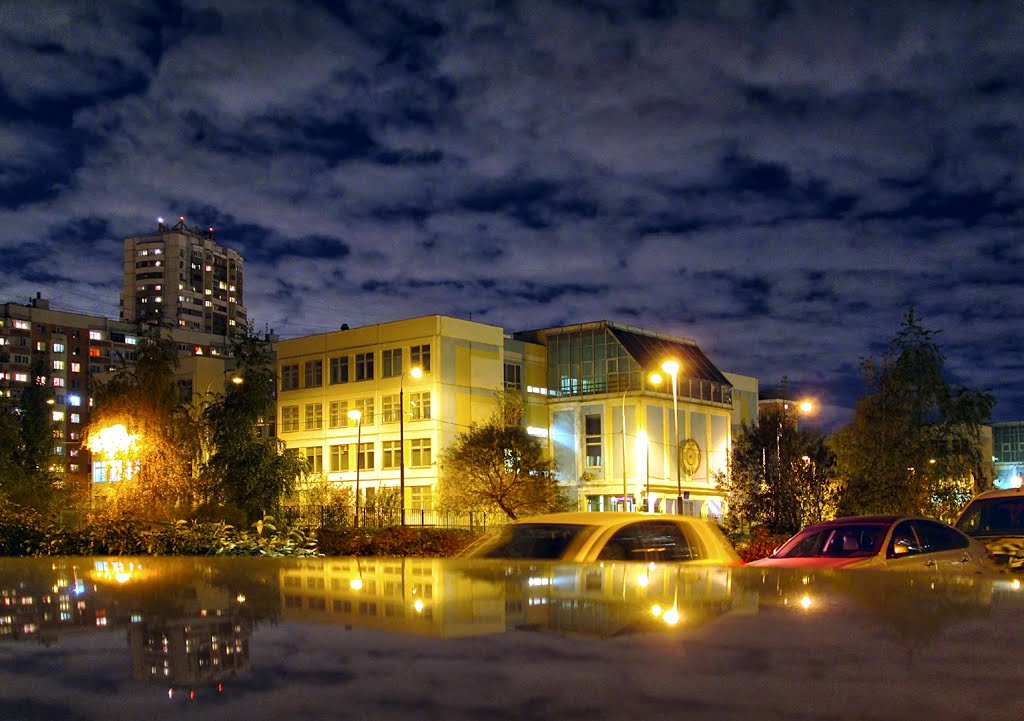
(590, 361)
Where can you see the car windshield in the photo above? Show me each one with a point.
(847, 541)
(988, 516)
(531, 540)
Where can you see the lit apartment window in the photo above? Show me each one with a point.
(337, 416)
(391, 362)
(41, 345)
(419, 452)
(314, 456)
(22, 325)
(419, 357)
(289, 419)
(389, 452)
(290, 377)
(58, 382)
(76, 367)
(58, 416)
(314, 413)
(339, 457)
(339, 369)
(592, 439)
(21, 377)
(76, 418)
(74, 400)
(419, 406)
(95, 335)
(314, 373)
(58, 347)
(94, 352)
(58, 365)
(389, 409)
(364, 366)
(131, 340)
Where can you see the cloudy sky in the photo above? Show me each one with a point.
(780, 181)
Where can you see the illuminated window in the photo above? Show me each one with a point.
(419, 357)
(76, 418)
(58, 347)
(364, 366)
(391, 362)
(419, 406)
(41, 345)
(22, 325)
(339, 457)
(76, 367)
(95, 335)
(94, 352)
(58, 416)
(365, 407)
(592, 440)
(419, 452)
(389, 409)
(289, 419)
(21, 377)
(74, 400)
(338, 414)
(314, 413)
(339, 369)
(389, 454)
(58, 382)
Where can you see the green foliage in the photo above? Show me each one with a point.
(499, 466)
(396, 541)
(913, 446)
(21, 529)
(779, 476)
(249, 470)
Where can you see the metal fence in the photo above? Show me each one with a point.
(321, 516)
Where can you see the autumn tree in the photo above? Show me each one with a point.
(250, 471)
(143, 397)
(914, 444)
(498, 466)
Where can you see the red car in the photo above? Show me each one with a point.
(898, 543)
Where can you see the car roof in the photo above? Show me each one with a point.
(887, 519)
(1000, 493)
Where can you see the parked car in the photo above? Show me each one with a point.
(900, 543)
(996, 518)
(609, 536)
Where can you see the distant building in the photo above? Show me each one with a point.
(579, 384)
(179, 277)
(1008, 453)
(745, 394)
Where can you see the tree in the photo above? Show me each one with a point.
(250, 471)
(914, 444)
(143, 397)
(27, 459)
(779, 476)
(499, 466)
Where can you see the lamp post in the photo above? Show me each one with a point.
(672, 368)
(415, 373)
(625, 507)
(357, 416)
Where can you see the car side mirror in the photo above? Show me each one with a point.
(900, 549)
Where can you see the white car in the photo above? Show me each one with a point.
(600, 536)
(996, 518)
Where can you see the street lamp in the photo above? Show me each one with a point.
(672, 368)
(415, 373)
(357, 416)
(624, 489)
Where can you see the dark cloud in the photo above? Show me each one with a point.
(779, 181)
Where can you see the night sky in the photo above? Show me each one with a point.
(779, 181)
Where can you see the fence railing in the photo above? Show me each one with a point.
(320, 516)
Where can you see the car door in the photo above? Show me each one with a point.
(905, 551)
(945, 547)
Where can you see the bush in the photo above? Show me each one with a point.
(760, 544)
(397, 541)
(21, 529)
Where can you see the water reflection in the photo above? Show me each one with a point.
(193, 625)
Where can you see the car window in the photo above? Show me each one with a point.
(531, 540)
(904, 541)
(993, 515)
(836, 541)
(651, 541)
(939, 537)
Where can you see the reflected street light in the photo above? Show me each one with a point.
(415, 373)
(357, 416)
(672, 368)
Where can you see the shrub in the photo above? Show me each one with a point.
(397, 541)
(760, 544)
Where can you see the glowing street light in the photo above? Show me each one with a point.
(415, 372)
(672, 368)
(357, 416)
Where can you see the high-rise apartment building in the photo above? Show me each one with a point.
(179, 277)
